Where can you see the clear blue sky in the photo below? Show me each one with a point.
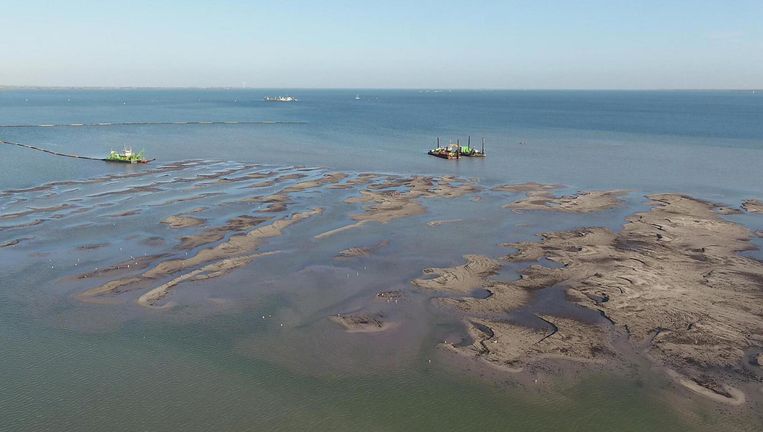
(380, 44)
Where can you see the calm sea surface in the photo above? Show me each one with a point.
(702, 142)
(66, 365)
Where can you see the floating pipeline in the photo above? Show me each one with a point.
(111, 158)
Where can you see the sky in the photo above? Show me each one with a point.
(595, 44)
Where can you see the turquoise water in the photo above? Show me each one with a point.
(215, 362)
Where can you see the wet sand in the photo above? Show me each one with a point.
(670, 286)
(436, 223)
(671, 281)
(181, 221)
(216, 269)
(361, 251)
(13, 242)
(584, 202)
(213, 234)
(753, 206)
(401, 198)
(461, 279)
(526, 187)
(215, 261)
(363, 323)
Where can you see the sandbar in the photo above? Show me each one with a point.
(181, 221)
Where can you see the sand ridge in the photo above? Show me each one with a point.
(753, 206)
(460, 279)
(361, 251)
(310, 184)
(436, 223)
(508, 346)
(398, 198)
(214, 261)
(383, 205)
(210, 235)
(525, 187)
(672, 280)
(216, 269)
(182, 221)
(584, 202)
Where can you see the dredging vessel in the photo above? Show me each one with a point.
(127, 156)
(455, 151)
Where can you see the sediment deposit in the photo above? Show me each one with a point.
(672, 281)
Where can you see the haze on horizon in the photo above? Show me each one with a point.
(594, 44)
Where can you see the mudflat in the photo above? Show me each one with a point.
(671, 286)
(672, 281)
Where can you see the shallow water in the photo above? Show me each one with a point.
(187, 377)
(253, 347)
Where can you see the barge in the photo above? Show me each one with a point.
(455, 151)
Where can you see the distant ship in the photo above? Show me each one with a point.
(357, 97)
(280, 99)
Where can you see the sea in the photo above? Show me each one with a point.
(253, 350)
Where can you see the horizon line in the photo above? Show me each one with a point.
(97, 87)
